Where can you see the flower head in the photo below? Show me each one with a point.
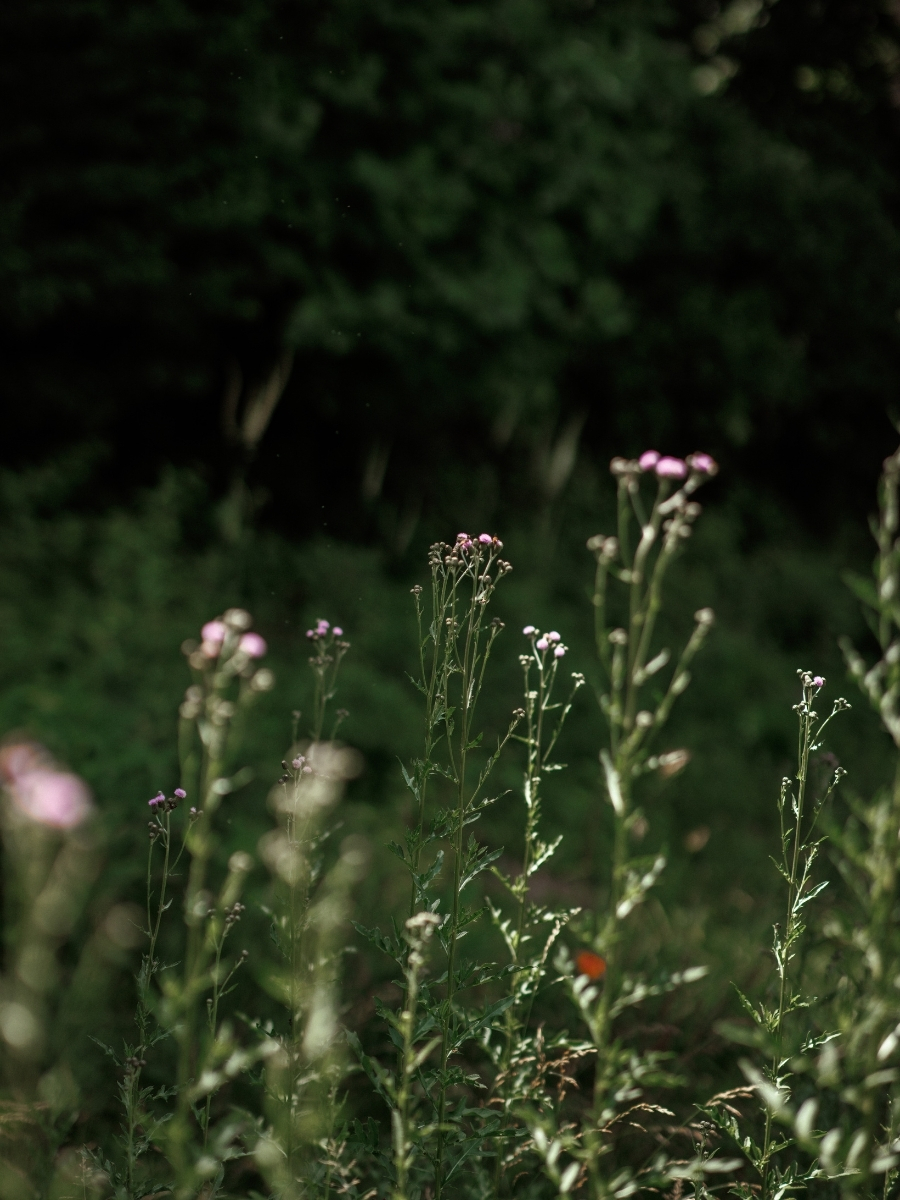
(529, 630)
(180, 793)
(818, 681)
(213, 632)
(705, 464)
(485, 539)
(552, 636)
(40, 790)
(671, 468)
(337, 631)
(253, 644)
(648, 460)
(542, 643)
(559, 652)
(159, 798)
(590, 964)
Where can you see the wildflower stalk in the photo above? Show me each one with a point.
(406, 1136)
(470, 664)
(302, 1071)
(528, 951)
(224, 667)
(625, 651)
(798, 854)
(454, 651)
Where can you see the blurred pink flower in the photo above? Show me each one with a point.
(253, 644)
(671, 468)
(337, 631)
(40, 790)
(648, 460)
(529, 630)
(485, 539)
(542, 643)
(54, 798)
(559, 651)
(213, 632)
(818, 681)
(704, 463)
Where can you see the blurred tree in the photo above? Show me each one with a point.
(496, 228)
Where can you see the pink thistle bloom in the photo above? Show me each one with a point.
(705, 464)
(253, 644)
(559, 652)
(552, 636)
(213, 632)
(55, 798)
(322, 625)
(648, 460)
(159, 798)
(485, 539)
(310, 633)
(818, 681)
(529, 630)
(337, 631)
(462, 537)
(180, 793)
(671, 468)
(542, 643)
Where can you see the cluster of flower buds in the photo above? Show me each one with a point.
(666, 466)
(322, 630)
(236, 621)
(163, 804)
(606, 548)
(231, 646)
(133, 1063)
(545, 641)
(233, 915)
(483, 542)
(468, 550)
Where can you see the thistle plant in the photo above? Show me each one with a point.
(784, 1035)
(305, 1061)
(857, 1068)
(531, 930)
(636, 699)
(296, 1151)
(455, 643)
(49, 863)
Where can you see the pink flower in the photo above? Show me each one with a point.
(559, 651)
(213, 632)
(705, 464)
(337, 631)
(55, 798)
(671, 468)
(818, 681)
(253, 644)
(159, 798)
(542, 643)
(552, 636)
(180, 793)
(485, 539)
(310, 633)
(648, 460)
(322, 627)
(529, 630)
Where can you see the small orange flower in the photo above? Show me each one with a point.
(590, 964)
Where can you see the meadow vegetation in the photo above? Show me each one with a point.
(506, 965)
